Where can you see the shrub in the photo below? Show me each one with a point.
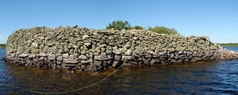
(163, 30)
(119, 25)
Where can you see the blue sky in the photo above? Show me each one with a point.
(217, 19)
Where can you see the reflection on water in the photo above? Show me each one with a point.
(51, 80)
(190, 78)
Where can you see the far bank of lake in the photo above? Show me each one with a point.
(2, 45)
(228, 44)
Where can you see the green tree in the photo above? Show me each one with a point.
(163, 30)
(119, 25)
(138, 27)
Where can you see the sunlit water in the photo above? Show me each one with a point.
(217, 77)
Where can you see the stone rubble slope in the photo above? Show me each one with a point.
(84, 49)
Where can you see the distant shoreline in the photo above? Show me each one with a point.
(228, 44)
(2, 45)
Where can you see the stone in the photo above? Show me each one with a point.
(128, 52)
(85, 37)
(51, 57)
(75, 26)
(83, 66)
(66, 55)
(164, 57)
(71, 56)
(103, 56)
(32, 56)
(118, 52)
(115, 64)
(135, 38)
(50, 44)
(59, 58)
(83, 57)
(126, 57)
(43, 54)
(70, 61)
(92, 67)
(35, 44)
(85, 62)
(97, 63)
(41, 58)
(180, 52)
(88, 44)
(118, 57)
(23, 55)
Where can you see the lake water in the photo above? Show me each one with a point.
(212, 78)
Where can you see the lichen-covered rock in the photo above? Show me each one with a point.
(84, 49)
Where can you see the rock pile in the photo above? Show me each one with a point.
(84, 49)
(228, 55)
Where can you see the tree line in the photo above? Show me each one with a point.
(228, 44)
(2, 45)
(119, 25)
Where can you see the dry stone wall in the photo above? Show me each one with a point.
(84, 49)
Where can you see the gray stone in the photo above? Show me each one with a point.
(97, 57)
(118, 57)
(75, 26)
(23, 55)
(97, 62)
(85, 36)
(43, 54)
(71, 56)
(70, 61)
(83, 57)
(41, 58)
(59, 58)
(92, 67)
(88, 44)
(32, 56)
(50, 44)
(128, 52)
(35, 44)
(66, 55)
(135, 38)
(103, 57)
(117, 52)
(51, 57)
(164, 57)
(83, 66)
(115, 64)
(85, 62)
(126, 57)
(180, 52)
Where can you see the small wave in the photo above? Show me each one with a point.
(220, 91)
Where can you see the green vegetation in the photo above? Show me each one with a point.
(228, 44)
(2, 45)
(137, 27)
(119, 25)
(163, 30)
